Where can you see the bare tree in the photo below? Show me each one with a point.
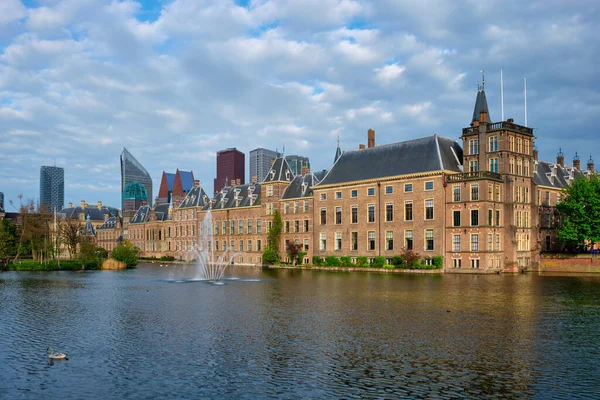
(70, 233)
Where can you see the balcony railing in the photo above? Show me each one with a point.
(498, 126)
(471, 176)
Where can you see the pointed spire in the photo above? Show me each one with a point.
(338, 151)
(481, 102)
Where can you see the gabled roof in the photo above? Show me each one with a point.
(196, 197)
(279, 171)
(428, 154)
(187, 180)
(481, 105)
(162, 212)
(554, 175)
(141, 215)
(237, 196)
(93, 212)
(301, 186)
(338, 153)
(170, 180)
(110, 223)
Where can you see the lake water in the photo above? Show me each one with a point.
(298, 334)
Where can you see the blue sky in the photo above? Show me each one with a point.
(175, 81)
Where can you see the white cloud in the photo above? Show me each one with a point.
(11, 10)
(389, 73)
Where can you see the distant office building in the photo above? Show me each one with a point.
(52, 187)
(132, 171)
(1, 201)
(230, 168)
(296, 163)
(174, 186)
(260, 163)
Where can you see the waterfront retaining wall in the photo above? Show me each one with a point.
(570, 264)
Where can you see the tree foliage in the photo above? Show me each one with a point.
(33, 231)
(126, 253)
(70, 234)
(274, 235)
(293, 250)
(580, 212)
(8, 243)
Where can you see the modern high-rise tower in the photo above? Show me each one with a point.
(230, 168)
(260, 163)
(132, 171)
(296, 163)
(52, 187)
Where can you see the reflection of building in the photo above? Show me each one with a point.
(296, 163)
(134, 196)
(260, 162)
(52, 187)
(230, 168)
(133, 171)
(174, 186)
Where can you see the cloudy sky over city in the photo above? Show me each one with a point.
(175, 81)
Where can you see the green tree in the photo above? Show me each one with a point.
(274, 235)
(126, 253)
(8, 243)
(579, 210)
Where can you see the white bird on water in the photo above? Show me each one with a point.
(56, 356)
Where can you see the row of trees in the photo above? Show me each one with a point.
(579, 211)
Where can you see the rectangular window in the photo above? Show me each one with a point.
(287, 227)
(389, 212)
(493, 143)
(497, 192)
(241, 245)
(456, 262)
(474, 217)
(224, 245)
(456, 243)
(305, 206)
(494, 165)
(258, 245)
(249, 245)
(389, 240)
(456, 193)
(249, 226)
(473, 146)
(475, 263)
(338, 195)
(490, 242)
(305, 225)
(338, 215)
(259, 226)
(497, 217)
(511, 165)
(371, 244)
(371, 191)
(354, 193)
(389, 190)
(354, 241)
(456, 218)
(232, 227)
(407, 187)
(473, 166)
(491, 217)
(408, 211)
(429, 240)
(429, 209)
(296, 226)
(338, 241)
(217, 228)
(323, 216)
(296, 207)
(371, 213)
(305, 244)
(323, 196)
(408, 239)
(475, 192)
(475, 242)
(354, 215)
(232, 243)
(323, 241)
(497, 242)
(241, 227)
(287, 208)
(429, 185)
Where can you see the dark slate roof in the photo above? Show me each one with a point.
(187, 180)
(91, 211)
(301, 186)
(279, 171)
(237, 196)
(196, 197)
(162, 212)
(320, 174)
(553, 175)
(338, 153)
(170, 180)
(110, 223)
(481, 105)
(144, 213)
(141, 215)
(432, 153)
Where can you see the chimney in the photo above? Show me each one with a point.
(510, 121)
(535, 154)
(590, 164)
(99, 205)
(70, 205)
(82, 203)
(305, 170)
(560, 158)
(483, 116)
(196, 183)
(371, 141)
(576, 162)
(254, 179)
(361, 146)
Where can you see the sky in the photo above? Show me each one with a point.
(175, 81)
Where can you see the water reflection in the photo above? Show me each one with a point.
(299, 334)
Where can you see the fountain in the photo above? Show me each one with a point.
(209, 268)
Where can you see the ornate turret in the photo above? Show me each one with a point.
(338, 152)
(560, 158)
(481, 113)
(576, 162)
(590, 164)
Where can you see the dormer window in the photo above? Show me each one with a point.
(304, 187)
(287, 175)
(272, 174)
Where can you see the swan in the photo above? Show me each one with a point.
(56, 356)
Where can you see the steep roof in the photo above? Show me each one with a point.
(141, 215)
(481, 105)
(338, 153)
(187, 180)
(279, 171)
(88, 229)
(432, 153)
(196, 197)
(554, 175)
(301, 186)
(237, 196)
(94, 213)
(170, 180)
(110, 223)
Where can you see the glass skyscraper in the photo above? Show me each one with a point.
(132, 171)
(52, 187)
(260, 162)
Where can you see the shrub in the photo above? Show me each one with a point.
(345, 261)
(167, 258)
(301, 255)
(126, 253)
(362, 261)
(410, 257)
(316, 260)
(332, 261)
(397, 261)
(379, 262)
(269, 256)
(438, 262)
